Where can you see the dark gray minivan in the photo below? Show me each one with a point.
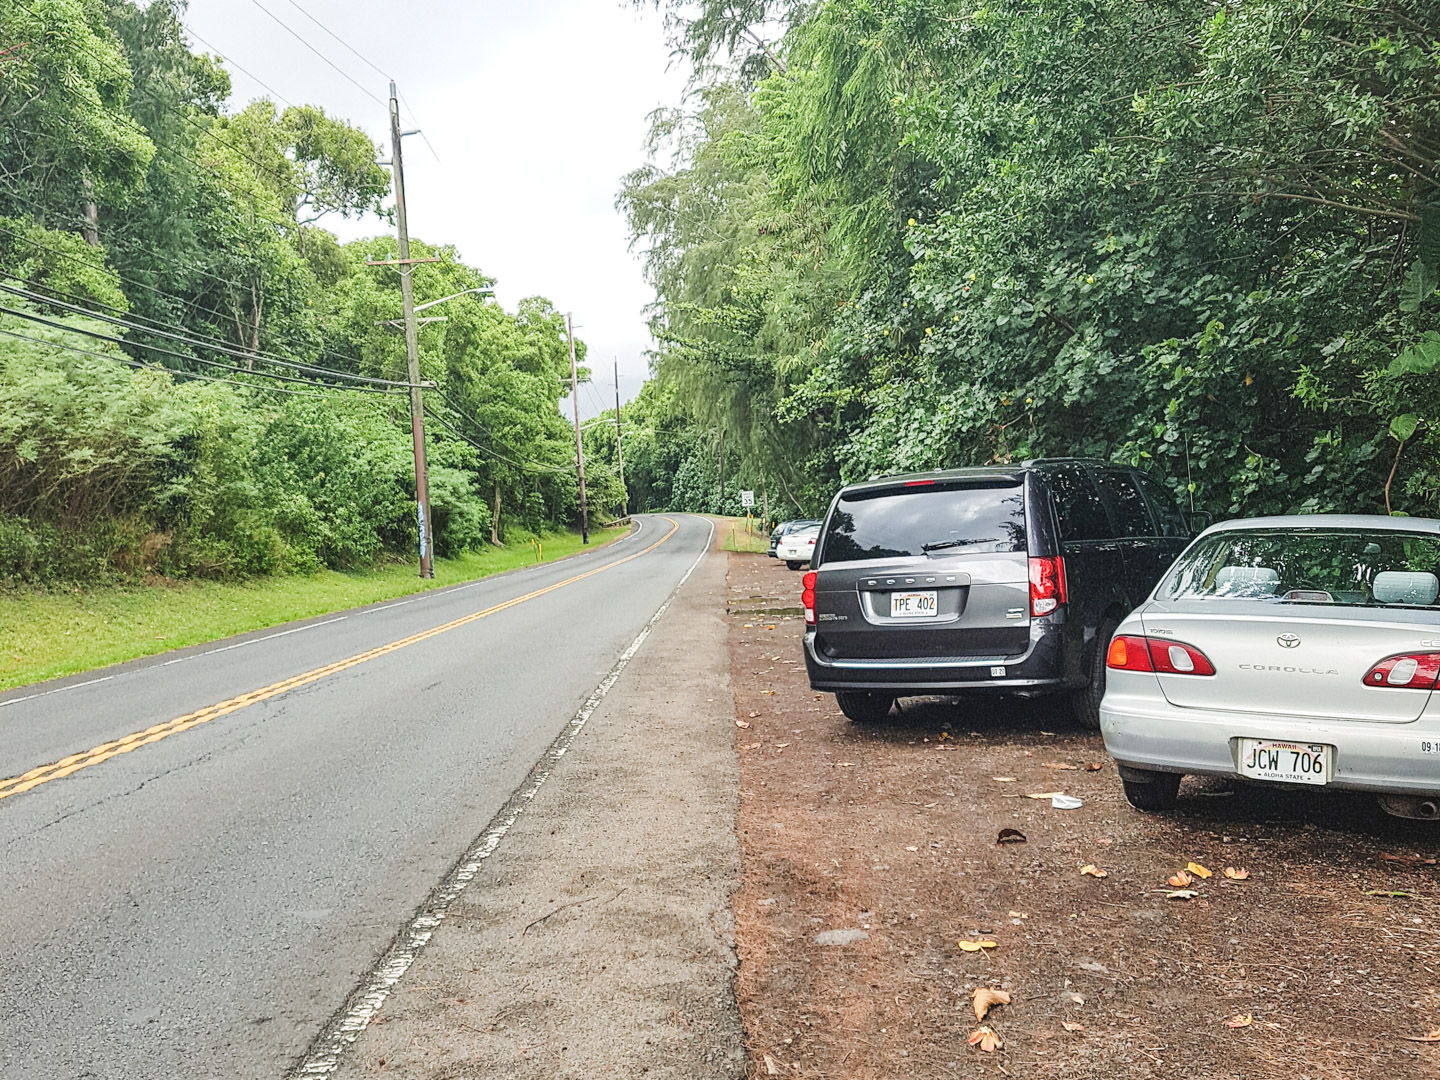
(997, 579)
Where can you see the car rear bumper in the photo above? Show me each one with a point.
(1146, 732)
(1040, 668)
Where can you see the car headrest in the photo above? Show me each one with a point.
(1405, 587)
(1246, 580)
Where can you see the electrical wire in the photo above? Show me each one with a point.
(233, 63)
(71, 257)
(54, 324)
(344, 74)
(184, 339)
(132, 362)
(353, 51)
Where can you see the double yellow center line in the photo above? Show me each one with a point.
(105, 751)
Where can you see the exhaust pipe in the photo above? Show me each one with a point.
(1410, 806)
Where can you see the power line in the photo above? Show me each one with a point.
(233, 63)
(353, 51)
(49, 292)
(363, 380)
(54, 324)
(132, 362)
(344, 74)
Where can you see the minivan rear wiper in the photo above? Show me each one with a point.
(940, 544)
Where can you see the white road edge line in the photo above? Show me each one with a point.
(253, 641)
(325, 1053)
(57, 690)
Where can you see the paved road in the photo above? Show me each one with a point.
(199, 901)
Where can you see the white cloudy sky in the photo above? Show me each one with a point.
(536, 110)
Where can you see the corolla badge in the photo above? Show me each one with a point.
(1288, 641)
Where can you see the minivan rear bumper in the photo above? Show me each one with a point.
(1041, 667)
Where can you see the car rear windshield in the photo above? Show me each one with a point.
(1366, 568)
(935, 520)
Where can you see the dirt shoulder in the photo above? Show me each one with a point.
(891, 830)
(598, 940)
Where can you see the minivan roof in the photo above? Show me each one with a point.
(1014, 473)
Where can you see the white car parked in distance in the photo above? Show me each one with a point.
(1287, 650)
(798, 546)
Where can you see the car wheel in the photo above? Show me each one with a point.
(1085, 702)
(793, 565)
(1153, 792)
(865, 708)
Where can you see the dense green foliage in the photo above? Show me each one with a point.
(135, 205)
(927, 233)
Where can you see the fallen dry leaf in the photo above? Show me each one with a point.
(984, 999)
(1198, 870)
(911, 847)
(1091, 870)
(1018, 915)
(1182, 894)
(770, 692)
(770, 627)
(1236, 874)
(1240, 1020)
(1178, 880)
(1095, 766)
(781, 745)
(1077, 999)
(986, 1039)
(1434, 1036)
(742, 723)
(1407, 860)
(771, 1069)
(1010, 836)
(1044, 794)
(1060, 765)
(976, 946)
(753, 715)
(1004, 779)
(1070, 1025)
(752, 746)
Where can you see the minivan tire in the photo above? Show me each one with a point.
(1085, 702)
(864, 708)
(1153, 792)
(793, 565)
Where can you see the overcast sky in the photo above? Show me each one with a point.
(536, 110)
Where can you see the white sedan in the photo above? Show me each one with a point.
(797, 547)
(1287, 650)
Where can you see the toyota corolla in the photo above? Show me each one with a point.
(1289, 651)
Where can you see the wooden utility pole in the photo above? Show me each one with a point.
(412, 347)
(620, 449)
(579, 449)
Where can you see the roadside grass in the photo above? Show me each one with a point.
(45, 634)
(739, 535)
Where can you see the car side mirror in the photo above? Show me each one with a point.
(1199, 521)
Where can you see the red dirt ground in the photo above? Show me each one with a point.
(891, 828)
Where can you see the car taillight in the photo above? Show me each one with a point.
(807, 597)
(1408, 671)
(1131, 653)
(1047, 584)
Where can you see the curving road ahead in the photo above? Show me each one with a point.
(202, 855)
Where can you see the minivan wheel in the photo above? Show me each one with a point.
(865, 708)
(1085, 702)
(1153, 792)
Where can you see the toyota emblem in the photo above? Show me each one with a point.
(1288, 641)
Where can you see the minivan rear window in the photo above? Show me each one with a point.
(892, 523)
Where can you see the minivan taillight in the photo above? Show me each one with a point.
(1131, 653)
(1408, 671)
(807, 597)
(1047, 584)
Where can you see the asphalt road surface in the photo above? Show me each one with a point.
(203, 854)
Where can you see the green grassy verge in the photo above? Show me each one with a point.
(735, 537)
(46, 634)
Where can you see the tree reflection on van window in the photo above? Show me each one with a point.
(890, 524)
